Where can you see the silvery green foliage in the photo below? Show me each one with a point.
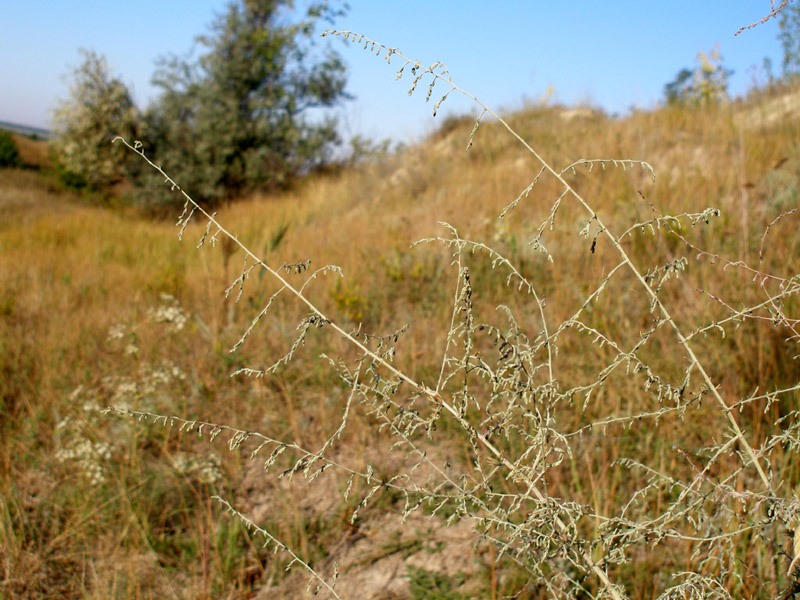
(241, 114)
(99, 107)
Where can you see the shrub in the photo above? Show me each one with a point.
(706, 83)
(99, 107)
(9, 153)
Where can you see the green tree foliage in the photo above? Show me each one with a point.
(237, 117)
(9, 153)
(679, 88)
(99, 107)
(789, 37)
(706, 83)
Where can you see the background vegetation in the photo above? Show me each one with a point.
(240, 114)
(9, 153)
(102, 307)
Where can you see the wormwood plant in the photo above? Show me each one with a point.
(697, 484)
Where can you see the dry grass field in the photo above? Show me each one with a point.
(33, 153)
(102, 307)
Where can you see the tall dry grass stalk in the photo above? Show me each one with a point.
(594, 435)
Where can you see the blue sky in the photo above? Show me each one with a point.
(613, 54)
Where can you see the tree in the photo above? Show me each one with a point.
(679, 88)
(789, 36)
(706, 83)
(99, 107)
(237, 118)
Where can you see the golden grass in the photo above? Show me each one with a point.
(70, 274)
